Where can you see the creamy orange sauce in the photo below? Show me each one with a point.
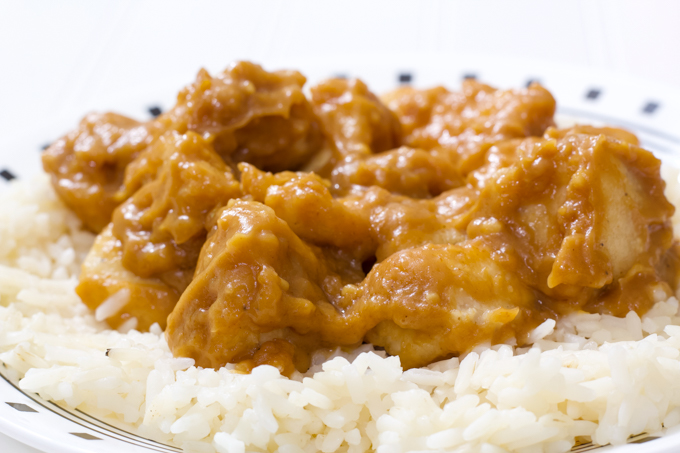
(257, 225)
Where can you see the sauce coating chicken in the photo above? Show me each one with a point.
(88, 164)
(264, 225)
(150, 248)
(467, 123)
(246, 113)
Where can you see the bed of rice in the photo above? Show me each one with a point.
(588, 377)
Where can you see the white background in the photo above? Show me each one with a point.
(59, 59)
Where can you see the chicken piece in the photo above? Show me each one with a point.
(161, 226)
(457, 131)
(405, 171)
(430, 302)
(257, 281)
(468, 123)
(369, 223)
(584, 212)
(154, 240)
(611, 132)
(500, 155)
(507, 152)
(400, 223)
(104, 279)
(304, 201)
(252, 115)
(255, 182)
(283, 242)
(277, 353)
(87, 165)
(254, 276)
(354, 121)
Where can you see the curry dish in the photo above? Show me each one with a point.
(256, 224)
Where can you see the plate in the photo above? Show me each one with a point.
(647, 109)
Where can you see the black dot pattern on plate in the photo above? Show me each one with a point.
(530, 81)
(85, 436)
(470, 75)
(593, 93)
(45, 146)
(21, 407)
(405, 77)
(8, 175)
(650, 107)
(155, 110)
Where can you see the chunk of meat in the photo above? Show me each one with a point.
(399, 223)
(469, 122)
(87, 165)
(252, 115)
(356, 123)
(583, 129)
(277, 353)
(257, 278)
(161, 226)
(152, 245)
(248, 114)
(507, 152)
(500, 155)
(103, 277)
(304, 201)
(254, 276)
(437, 300)
(405, 171)
(583, 212)
(366, 222)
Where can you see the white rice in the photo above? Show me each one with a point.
(113, 305)
(586, 377)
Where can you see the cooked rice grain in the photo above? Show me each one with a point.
(587, 377)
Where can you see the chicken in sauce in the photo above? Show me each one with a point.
(257, 225)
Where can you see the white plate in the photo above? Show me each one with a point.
(650, 111)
